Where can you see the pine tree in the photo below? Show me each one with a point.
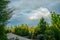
(42, 25)
(5, 14)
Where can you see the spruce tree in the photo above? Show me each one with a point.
(5, 14)
(42, 25)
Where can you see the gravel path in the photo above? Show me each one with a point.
(10, 36)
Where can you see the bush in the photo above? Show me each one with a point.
(21, 31)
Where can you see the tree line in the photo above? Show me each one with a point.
(43, 31)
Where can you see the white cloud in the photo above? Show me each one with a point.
(34, 15)
(41, 12)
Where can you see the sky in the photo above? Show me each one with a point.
(30, 11)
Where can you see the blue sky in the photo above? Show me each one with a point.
(30, 11)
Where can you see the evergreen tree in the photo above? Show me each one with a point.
(42, 25)
(5, 14)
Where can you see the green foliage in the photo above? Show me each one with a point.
(43, 31)
(8, 30)
(2, 33)
(5, 14)
(22, 30)
(42, 25)
(56, 25)
(49, 35)
(37, 31)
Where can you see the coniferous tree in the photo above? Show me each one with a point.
(5, 14)
(42, 25)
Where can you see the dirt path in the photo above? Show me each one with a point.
(10, 35)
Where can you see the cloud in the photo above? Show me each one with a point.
(33, 15)
(21, 5)
(31, 4)
(30, 11)
(37, 14)
(30, 17)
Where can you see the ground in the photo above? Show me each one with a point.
(13, 36)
